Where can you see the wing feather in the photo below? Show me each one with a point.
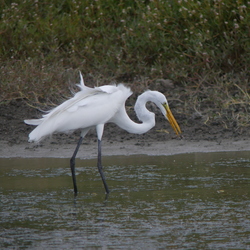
(87, 108)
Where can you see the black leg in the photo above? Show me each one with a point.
(99, 165)
(72, 164)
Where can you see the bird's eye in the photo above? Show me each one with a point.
(165, 105)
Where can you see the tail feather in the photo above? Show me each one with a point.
(35, 135)
(41, 131)
(34, 122)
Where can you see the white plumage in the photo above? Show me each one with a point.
(93, 107)
(83, 111)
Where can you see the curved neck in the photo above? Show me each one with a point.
(144, 115)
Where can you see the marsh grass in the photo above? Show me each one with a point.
(200, 45)
(221, 99)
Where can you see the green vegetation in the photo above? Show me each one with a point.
(201, 45)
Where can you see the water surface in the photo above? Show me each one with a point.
(189, 201)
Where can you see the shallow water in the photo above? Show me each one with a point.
(189, 201)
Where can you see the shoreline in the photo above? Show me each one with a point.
(131, 147)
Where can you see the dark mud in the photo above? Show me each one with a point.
(197, 134)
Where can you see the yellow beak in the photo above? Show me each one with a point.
(172, 120)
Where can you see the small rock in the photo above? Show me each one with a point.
(162, 85)
(196, 115)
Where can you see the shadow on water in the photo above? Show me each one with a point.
(184, 201)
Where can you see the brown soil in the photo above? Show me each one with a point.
(197, 135)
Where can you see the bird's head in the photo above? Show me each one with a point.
(162, 103)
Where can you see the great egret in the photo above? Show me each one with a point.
(93, 107)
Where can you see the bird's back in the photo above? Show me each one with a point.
(89, 107)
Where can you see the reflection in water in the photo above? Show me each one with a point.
(182, 201)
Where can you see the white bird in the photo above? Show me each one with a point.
(93, 107)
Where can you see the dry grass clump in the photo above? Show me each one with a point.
(222, 100)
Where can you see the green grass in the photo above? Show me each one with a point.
(163, 38)
(197, 44)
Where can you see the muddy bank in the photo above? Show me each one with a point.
(197, 136)
(132, 147)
